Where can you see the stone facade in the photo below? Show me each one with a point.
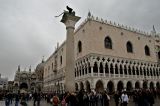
(39, 71)
(26, 80)
(108, 56)
(3, 83)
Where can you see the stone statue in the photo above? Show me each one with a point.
(70, 11)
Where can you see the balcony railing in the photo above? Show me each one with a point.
(106, 75)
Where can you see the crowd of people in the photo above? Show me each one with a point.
(141, 97)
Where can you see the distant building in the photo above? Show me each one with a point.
(26, 80)
(108, 56)
(3, 83)
(10, 86)
(39, 71)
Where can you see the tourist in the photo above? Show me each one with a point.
(23, 100)
(7, 99)
(34, 98)
(124, 99)
(116, 98)
(38, 99)
(63, 102)
(16, 99)
(55, 100)
(72, 100)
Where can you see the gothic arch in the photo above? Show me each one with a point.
(23, 85)
(110, 87)
(151, 85)
(120, 86)
(137, 85)
(76, 86)
(158, 85)
(129, 86)
(99, 86)
(145, 84)
(81, 86)
(88, 88)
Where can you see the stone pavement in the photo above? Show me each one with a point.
(30, 103)
(44, 103)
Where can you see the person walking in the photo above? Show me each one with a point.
(16, 99)
(116, 98)
(35, 98)
(55, 100)
(23, 100)
(125, 99)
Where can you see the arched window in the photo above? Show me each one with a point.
(129, 47)
(60, 59)
(159, 55)
(79, 46)
(108, 43)
(147, 51)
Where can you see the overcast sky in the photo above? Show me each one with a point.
(29, 30)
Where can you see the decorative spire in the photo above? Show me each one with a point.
(43, 59)
(19, 68)
(154, 29)
(153, 32)
(89, 14)
(30, 68)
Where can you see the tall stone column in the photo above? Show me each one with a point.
(69, 19)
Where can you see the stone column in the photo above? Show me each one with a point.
(69, 19)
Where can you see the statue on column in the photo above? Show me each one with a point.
(70, 11)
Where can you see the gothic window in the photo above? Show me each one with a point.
(79, 46)
(147, 51)
(121, 70)
(157, 72)
(129, 47)
(137, 70)
(129, 70)
(141, 71)
(60, 59)
(159, 55)
(133, 70)
(101, 68)
(106, 68)
(125, 70)
(111, 68)
(108, 43)
(151, 72)
(116, 69)
(95, 68)
(86, 70)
